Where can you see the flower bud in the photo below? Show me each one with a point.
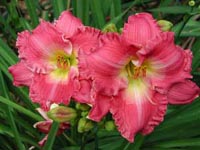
(43, 126)
(83, 107)
(109, 125)
(110, 28)
(84, 125)
(84, 113)
(62, 114)
(165, 25)
(191, 3)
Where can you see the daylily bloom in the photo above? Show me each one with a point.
(137, 74)
(50, 56)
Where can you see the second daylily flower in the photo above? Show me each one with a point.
(137, 74)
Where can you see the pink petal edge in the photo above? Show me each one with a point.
(183, 92)
(68, 24)
(140, 29)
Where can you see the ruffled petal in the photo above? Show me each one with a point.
(68, 24)
(21, 74)
(140, 29)
(46, 90)
(85, 48)
(138, 109)
(106, 63)
(37, 47)
(83, 94)
(86, 39)
(166, 63)
(183, 92)
(100, 108)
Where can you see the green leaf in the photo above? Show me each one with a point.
(179, 143)
(98, 13)
(10, 115)
(32, 9)
(4, 129)
(172, 9)
(58, 7)
(51, 136)
(7, 53)
(20, 108)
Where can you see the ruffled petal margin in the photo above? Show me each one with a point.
(36, 48)
(166, 62)
(139, 111)
(140, 29)
(45, 90)
(86, 39)
(84, 93)
(21, 74)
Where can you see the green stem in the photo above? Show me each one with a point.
(82, 142)
(69, 139)
(20, 109)
(137, 143)
(51, 136)
(182, 27)
(96, 137)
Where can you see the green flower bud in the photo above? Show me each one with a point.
(85, 125)
(110, 28)
(83, 107)
(191, 3)
(84, 113)
(165, 25)
(62, 114)
(109, 125)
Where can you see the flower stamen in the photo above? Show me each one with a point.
(139, 72)
(63, 62)
(136, 72)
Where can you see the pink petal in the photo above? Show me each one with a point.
(46, 90)
(83, 94)
(138, 110)
(35, 48)
(63, 127)
(106, 63)
(100, 107)
(68, 24)
(43, 126)
(84, 48)
(21, 74)
(140, 29)
(43, 113)
(168, 63)
(43, 141)
(183, 92)
(86, 39)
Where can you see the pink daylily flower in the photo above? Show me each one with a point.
(50, 57)
(137, 74)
